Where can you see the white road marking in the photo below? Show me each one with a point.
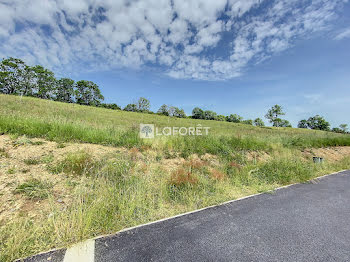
(81, 252)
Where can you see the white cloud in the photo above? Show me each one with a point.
(344, 34)
(197, 39)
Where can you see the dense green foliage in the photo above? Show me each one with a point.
(315, 122)
(17, 78)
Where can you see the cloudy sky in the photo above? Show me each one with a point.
(230, 56)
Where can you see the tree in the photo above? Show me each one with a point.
(234, 118)
(318, 122)
(197, 113)
(337, 130)
(343, 127)
(88, 93)
(131, 108)
(64, 91)
(180, 113)
(143, 104)
(13, 76)
(163, 110)
(220, 118)
(259, 122)
(45, 82)
(210, 115)
(284, 123)
(248, 122)
(303, 124)
(273, 115)
(110, 106)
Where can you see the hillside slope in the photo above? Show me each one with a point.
(70, 172)
(72, 122)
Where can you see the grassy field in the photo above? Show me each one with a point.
(75, 172)
(71, 122)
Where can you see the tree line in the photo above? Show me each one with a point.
(17, 78)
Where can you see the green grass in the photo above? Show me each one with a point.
(34, 189)
(4, 153)
(70, 122)
(130, 187)
(118, 195)
(32, 161)
(77, 164)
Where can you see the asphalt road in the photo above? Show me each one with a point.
(304, 222)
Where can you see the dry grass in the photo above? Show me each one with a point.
(182, 177)
(217, 175)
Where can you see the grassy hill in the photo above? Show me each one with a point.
(71, 172)
(70, 122)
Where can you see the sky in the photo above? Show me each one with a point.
(229, 56)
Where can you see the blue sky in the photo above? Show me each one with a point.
(229, 56)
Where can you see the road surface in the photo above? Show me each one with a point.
(303, 222)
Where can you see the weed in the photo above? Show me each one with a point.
(60, 145)
(11, 170)
(37, 143)
(47, 159)
(233, 164)
(21, 141)
(181, 177)
(116, 170)
(194, 164)
(34, 189)
(217, 175)
(4, 153)
(79, 163)
(32, 161)
(134, 153)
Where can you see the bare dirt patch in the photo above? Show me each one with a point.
(258, 156)
(330, 154)
(23, 159)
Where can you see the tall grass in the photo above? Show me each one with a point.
(70, 122)
(118, 195)
(62, 131)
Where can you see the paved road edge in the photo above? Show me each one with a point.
(89, 243)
